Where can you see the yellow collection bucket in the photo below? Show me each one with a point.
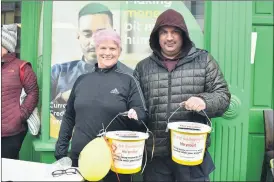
(127, 150)
(188, 142)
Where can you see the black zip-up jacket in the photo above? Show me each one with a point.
(96, 98)
(195, 74)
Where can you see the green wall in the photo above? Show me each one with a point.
(228, 39)
(262, 80)
(38, 148)
(30, 20)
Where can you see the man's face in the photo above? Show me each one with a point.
(107, 53)
(88, 25)
(170, 39)
(4, 51)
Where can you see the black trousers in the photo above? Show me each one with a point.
(165, 170)
(10, 146)
(111, 176)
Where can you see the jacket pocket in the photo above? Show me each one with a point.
(23, 118)
(13, 124)
(204, 169)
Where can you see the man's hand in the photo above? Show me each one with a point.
(132, 114)
(65, 95)
(194, 104)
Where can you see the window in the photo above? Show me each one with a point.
(197, 10)
(133, 20)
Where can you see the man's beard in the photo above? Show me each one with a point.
(90, 57)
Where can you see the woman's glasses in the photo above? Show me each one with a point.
(69, 171)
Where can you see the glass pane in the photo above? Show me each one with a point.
(197, 10)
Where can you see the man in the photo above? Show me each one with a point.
(92, 17)
(13, 115)
(178, 74)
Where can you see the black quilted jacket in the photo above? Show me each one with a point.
(197, 74)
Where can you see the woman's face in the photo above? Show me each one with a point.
(4, 51)
(107, 54)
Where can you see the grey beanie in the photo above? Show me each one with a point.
(9, 37)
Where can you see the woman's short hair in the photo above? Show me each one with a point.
(106, 34)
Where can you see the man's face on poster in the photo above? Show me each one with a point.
(88, 25)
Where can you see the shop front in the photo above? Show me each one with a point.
(50, 39)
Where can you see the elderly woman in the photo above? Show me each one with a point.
(97, 97)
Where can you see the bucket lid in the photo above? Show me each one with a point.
(127, 135)
(189, 127)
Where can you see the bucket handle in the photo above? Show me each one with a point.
(183, 104)
(123, 114)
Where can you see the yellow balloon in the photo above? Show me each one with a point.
(95, 160)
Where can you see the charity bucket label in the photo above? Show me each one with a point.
(127, 155)
(188, 147)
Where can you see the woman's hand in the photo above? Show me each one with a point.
(132, 114)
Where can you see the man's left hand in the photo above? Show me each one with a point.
(194, 104)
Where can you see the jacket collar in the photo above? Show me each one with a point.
(105, 70)
(193, 52)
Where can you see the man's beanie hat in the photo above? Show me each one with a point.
(9, 37)
(93, 8)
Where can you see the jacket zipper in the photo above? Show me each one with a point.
(169, 95)
(168, 104)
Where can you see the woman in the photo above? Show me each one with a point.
(97, 97)
(14, 115)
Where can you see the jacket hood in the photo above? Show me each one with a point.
(169, 17)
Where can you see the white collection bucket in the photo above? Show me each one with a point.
(188, 141)
(128, 149)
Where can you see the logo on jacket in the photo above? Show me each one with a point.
(10, 71)
(114, 91)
